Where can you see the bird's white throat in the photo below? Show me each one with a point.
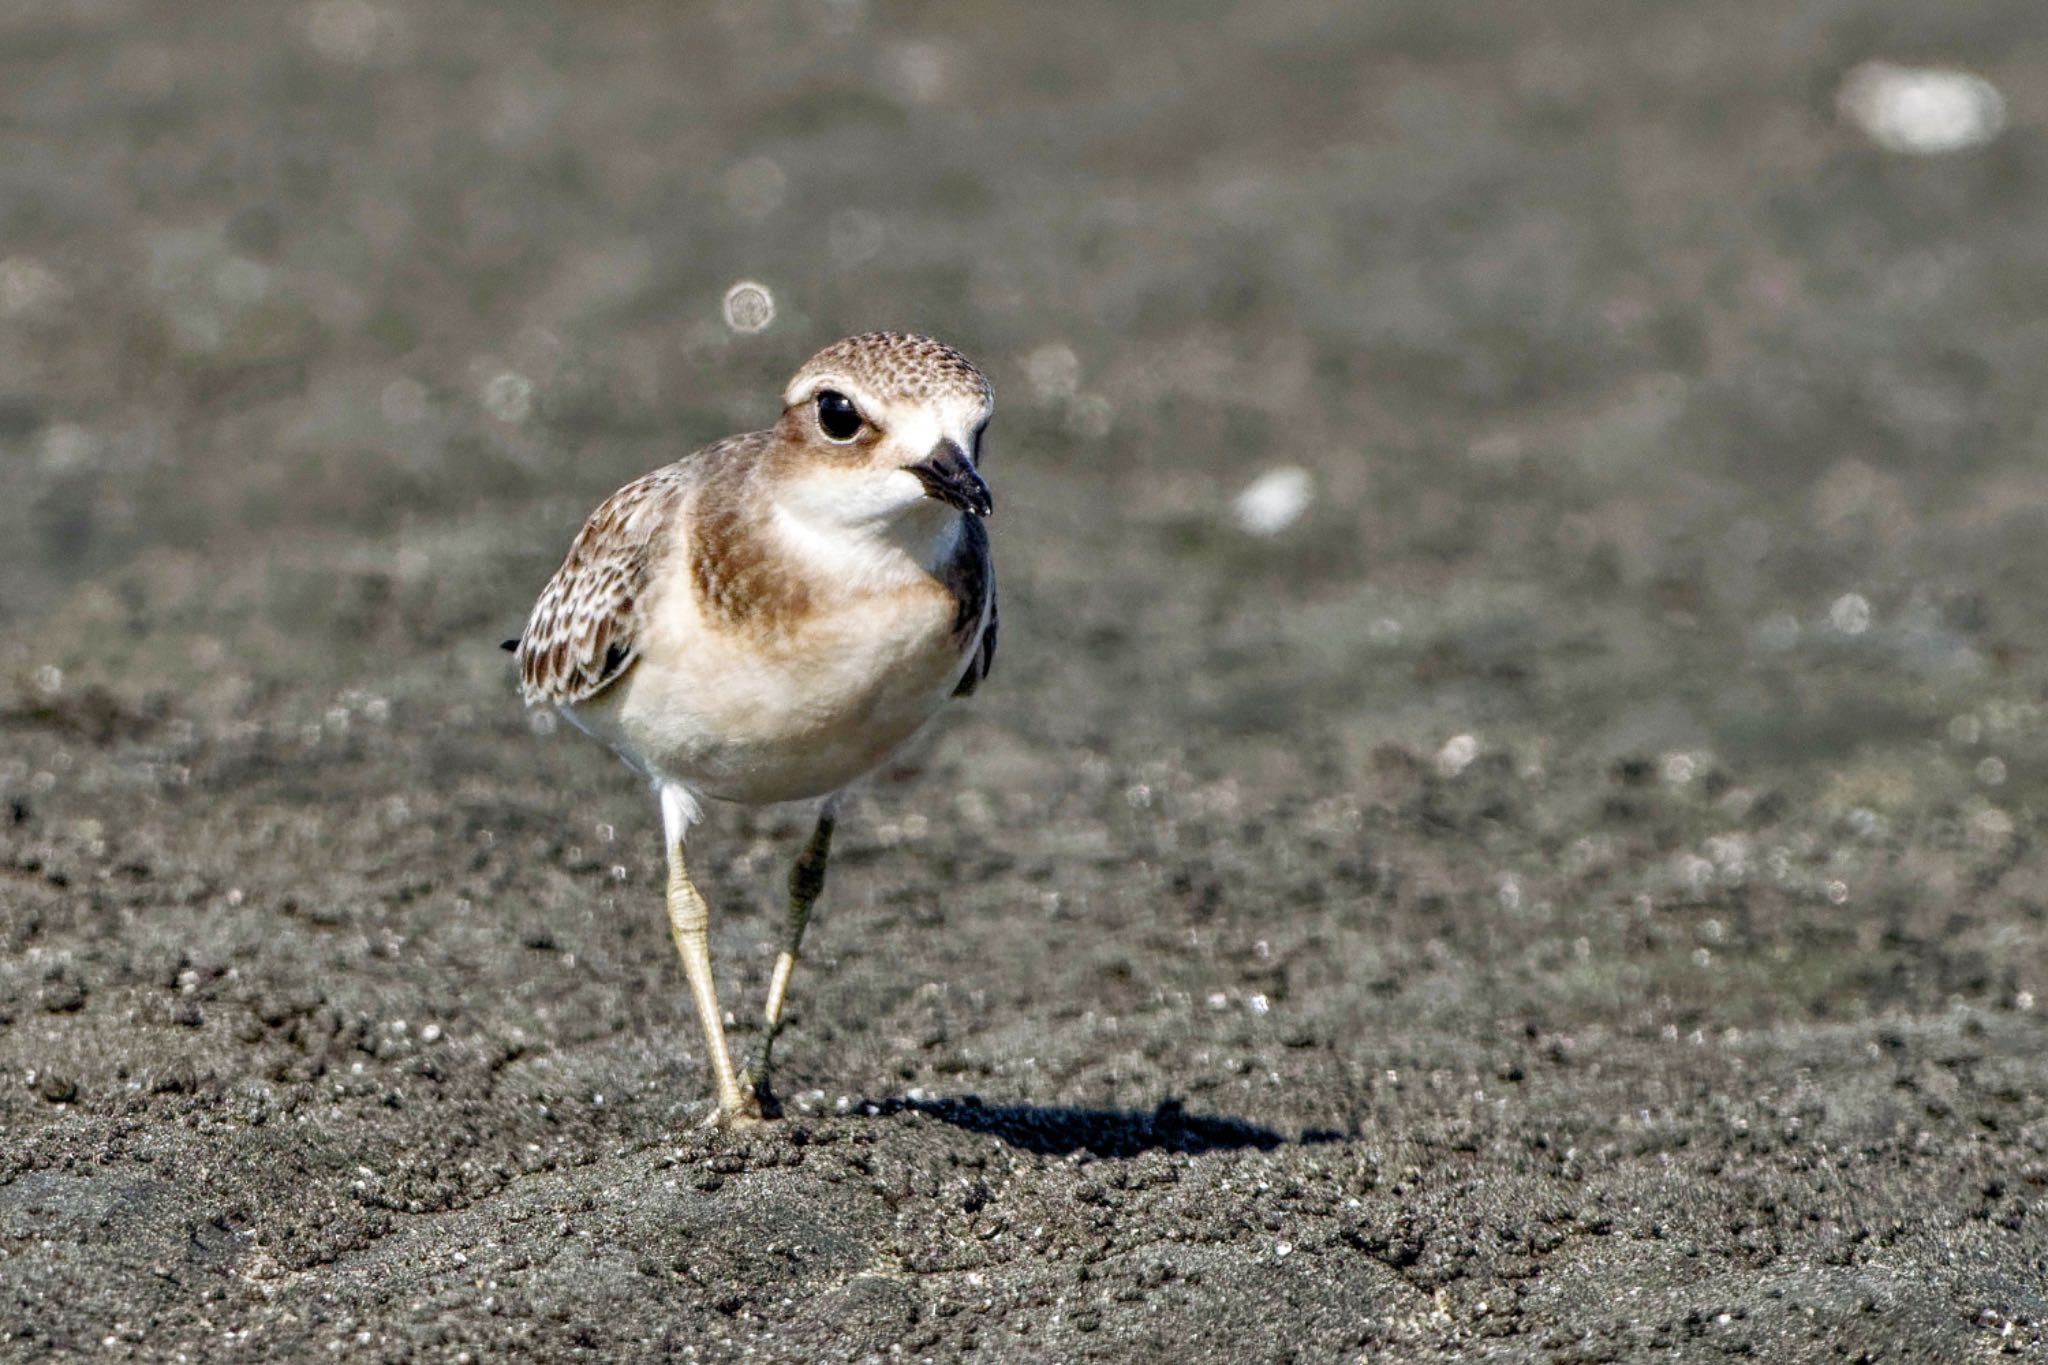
(869, 530)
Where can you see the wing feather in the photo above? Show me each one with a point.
(585, 629)
(973, 582)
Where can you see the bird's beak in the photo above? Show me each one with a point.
(948, 475)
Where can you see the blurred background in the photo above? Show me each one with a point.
(1517, 522)
(1616, 388)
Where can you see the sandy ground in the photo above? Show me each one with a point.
(1575, 894)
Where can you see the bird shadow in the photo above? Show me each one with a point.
(1052, 1130)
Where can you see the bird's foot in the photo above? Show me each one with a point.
(744, 1114)
(759, 1096)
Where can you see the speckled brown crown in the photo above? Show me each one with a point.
(907, 366)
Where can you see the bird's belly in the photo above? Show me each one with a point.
(804, 715)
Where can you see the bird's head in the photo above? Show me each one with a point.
(882, 426)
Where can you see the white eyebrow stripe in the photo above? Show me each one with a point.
(810, 388)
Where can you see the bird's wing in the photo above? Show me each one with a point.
(984, 652)
(974, 585)
(585, 629)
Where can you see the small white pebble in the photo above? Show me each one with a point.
(1850, 613)
(1275, 500)
(1921, 111)
(749, 307)
(1457, 754)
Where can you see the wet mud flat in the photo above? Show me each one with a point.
(441, 1095)
(1569, 890)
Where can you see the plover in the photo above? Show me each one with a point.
(769, 618)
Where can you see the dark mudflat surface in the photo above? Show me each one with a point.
(1197, 992)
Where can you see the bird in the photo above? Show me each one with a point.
(769, 618)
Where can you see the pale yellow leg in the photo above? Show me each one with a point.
(689, 921)
(806, 881)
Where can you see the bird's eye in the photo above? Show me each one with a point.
(838, 418)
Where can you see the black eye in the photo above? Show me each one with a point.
(838, 418)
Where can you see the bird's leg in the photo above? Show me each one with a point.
(806, 881)
(689, 921)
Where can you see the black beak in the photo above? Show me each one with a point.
(948, 475)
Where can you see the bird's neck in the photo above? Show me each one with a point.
(870, 554)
